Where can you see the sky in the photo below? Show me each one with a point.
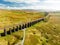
(30, 4)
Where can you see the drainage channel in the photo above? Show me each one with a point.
(20, 27)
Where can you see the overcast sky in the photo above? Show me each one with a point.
(30, 4)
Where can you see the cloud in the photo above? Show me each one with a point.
(52, 1)
(22, 4)
(32, 4)
(25, 1)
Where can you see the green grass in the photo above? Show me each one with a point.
(42, 33)
(10, 18)
(50, 32)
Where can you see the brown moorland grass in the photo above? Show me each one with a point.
(48, 32)
(42, 33)
(10, 18)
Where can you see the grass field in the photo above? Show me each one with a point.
(10, 18)
(42, 33)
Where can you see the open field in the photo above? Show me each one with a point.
(42, 33)
(10, 18)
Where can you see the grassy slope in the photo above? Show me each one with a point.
(44, 33)
(10, 18)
